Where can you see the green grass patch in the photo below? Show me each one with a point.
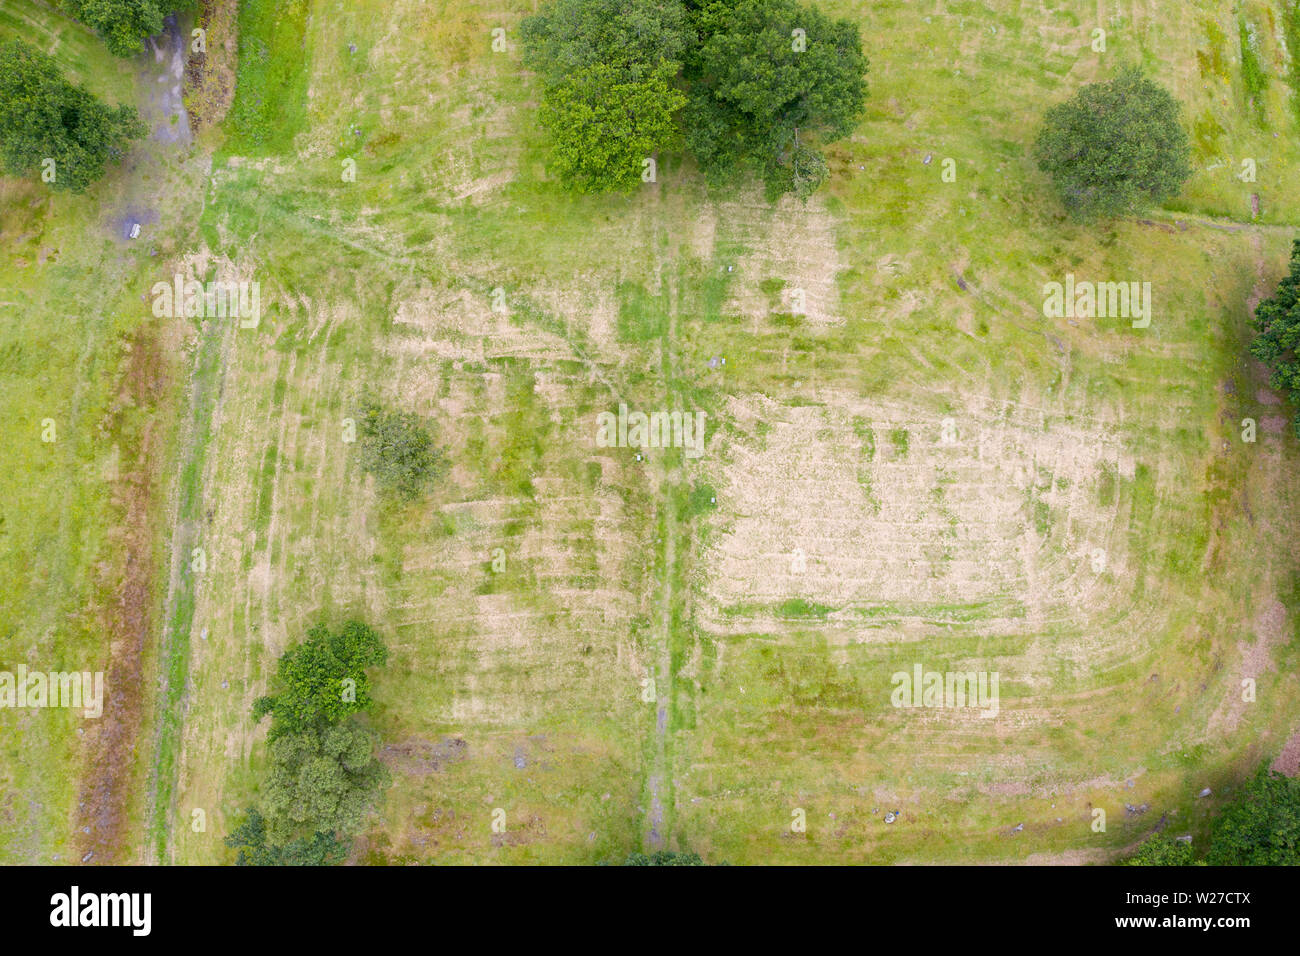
(270, 106)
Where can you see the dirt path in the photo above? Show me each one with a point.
(127, 581)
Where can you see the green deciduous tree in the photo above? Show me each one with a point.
(608, 98)
(123, 23)
(250, 840)
(1277, 339)
(771, 81)
(1261, 826)
(322, 680)
(607, 121)
(44, 117)
(322, 781)
(1160, 849)
(568, 35)
(1114, 148)
(398, 449)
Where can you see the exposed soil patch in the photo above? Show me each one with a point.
(1288, 761)
(421, 758)
(125, 603)
(210, 73)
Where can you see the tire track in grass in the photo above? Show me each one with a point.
(660, 800)
(174, 653)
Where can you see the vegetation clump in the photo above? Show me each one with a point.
(398, 449)
(755, 87)
(1115, 148)
(50, 127)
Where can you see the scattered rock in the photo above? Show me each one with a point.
(1204, 793)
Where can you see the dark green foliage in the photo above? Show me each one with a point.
(569, 35)
(607, 120)
(758, 103)
(1261, 826)
(1277, 327)
(608, 97)
(309, 686)
(397, 448)
(43, 116)
(249, 838)
(322, 780)
(664, 858)
(1115, 147)
(1160, 849)
(761, 98)
(123, 23)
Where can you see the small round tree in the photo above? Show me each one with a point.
(1114, 148)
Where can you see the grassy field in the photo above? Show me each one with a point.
(906, 462)
(83, 517)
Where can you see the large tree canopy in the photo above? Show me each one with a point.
(1261, 827)
(608, 98)
(123, 23)
(1115, 147)
(322, 680)
(568, 35)
(322, 781)
(608, 120)
(770, 81)
(1277, 340)
(44, 117)
(250, 839)
(764, 83)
